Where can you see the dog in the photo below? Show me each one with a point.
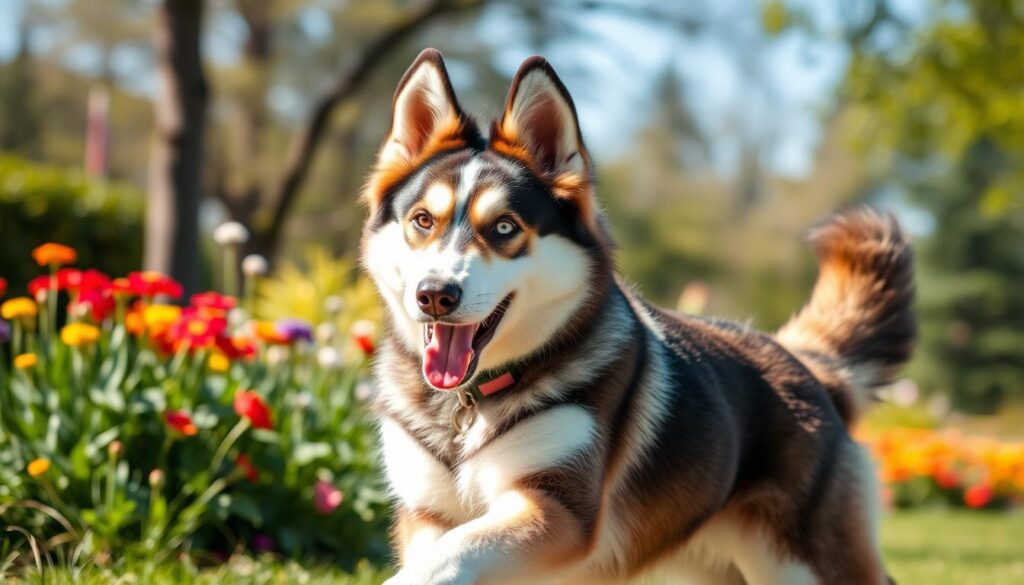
(540, 422)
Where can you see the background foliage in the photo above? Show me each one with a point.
(40, 203)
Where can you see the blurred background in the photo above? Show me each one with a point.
(722, 130)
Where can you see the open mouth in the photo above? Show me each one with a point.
(451, 351)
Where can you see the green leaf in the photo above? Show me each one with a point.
(306, 453)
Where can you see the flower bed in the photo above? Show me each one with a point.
(926, 466)
(133, 426)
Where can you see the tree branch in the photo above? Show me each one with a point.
(304, 146)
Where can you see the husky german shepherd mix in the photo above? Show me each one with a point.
(542, 423)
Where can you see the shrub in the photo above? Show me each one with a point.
(103, 221)
(145, 430)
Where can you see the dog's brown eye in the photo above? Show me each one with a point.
(423, 220)
(505, 228)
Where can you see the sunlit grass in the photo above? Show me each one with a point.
(941, 547)
(937, 547)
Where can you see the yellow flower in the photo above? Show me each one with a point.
(25, 361)
(19, 308)
(79, 334)
(159, 318)
(219, 362)
(51, 253)
(37, 467)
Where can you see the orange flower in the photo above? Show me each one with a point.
(51, 254)
(134, 322)
(267, 332)
(38, 467)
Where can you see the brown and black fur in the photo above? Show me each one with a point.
(700, 425)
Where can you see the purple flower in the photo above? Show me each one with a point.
(295, 330)
(5, 331)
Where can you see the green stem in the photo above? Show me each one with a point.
(229, 440)
(51, 305)
(230, 269)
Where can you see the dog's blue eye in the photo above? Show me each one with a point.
(505, 228)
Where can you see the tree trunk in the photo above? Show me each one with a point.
(175, 173)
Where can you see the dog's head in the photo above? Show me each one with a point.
(484, 248)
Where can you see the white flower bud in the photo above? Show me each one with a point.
(329, 358)
(303, 400)
(276, 355)
(230, 233)
(326, 331)
(255, 265)
(238, 318)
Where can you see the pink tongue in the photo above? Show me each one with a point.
(446, 359)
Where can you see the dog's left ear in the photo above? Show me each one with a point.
(540, 128)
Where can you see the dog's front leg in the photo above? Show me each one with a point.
(524, 534)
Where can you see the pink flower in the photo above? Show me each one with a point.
(326, 497)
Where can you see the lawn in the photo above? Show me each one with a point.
(936, 547)
(955, 548)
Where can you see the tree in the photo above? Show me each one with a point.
(20, 124)
(175, 186)
(943, 122)
(264, 204)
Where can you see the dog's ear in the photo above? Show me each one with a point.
(425, 119)
(540, 128)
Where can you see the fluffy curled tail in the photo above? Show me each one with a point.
(858, 327)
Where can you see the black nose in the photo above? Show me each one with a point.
(437, 297)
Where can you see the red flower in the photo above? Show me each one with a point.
(151, 284)
(196, 329)
(214, 301)
(180, 422)
(3, 286)
(38, 284)
(75, 280)
(363, 333)
(98, 302)
(978, 495)
(236, 347)
(249, 404)
(245, 464)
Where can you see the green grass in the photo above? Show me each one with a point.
(937, 547)
(940, 547)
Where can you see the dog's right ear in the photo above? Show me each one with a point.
(425, 119)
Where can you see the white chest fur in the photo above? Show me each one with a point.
(419, 481)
